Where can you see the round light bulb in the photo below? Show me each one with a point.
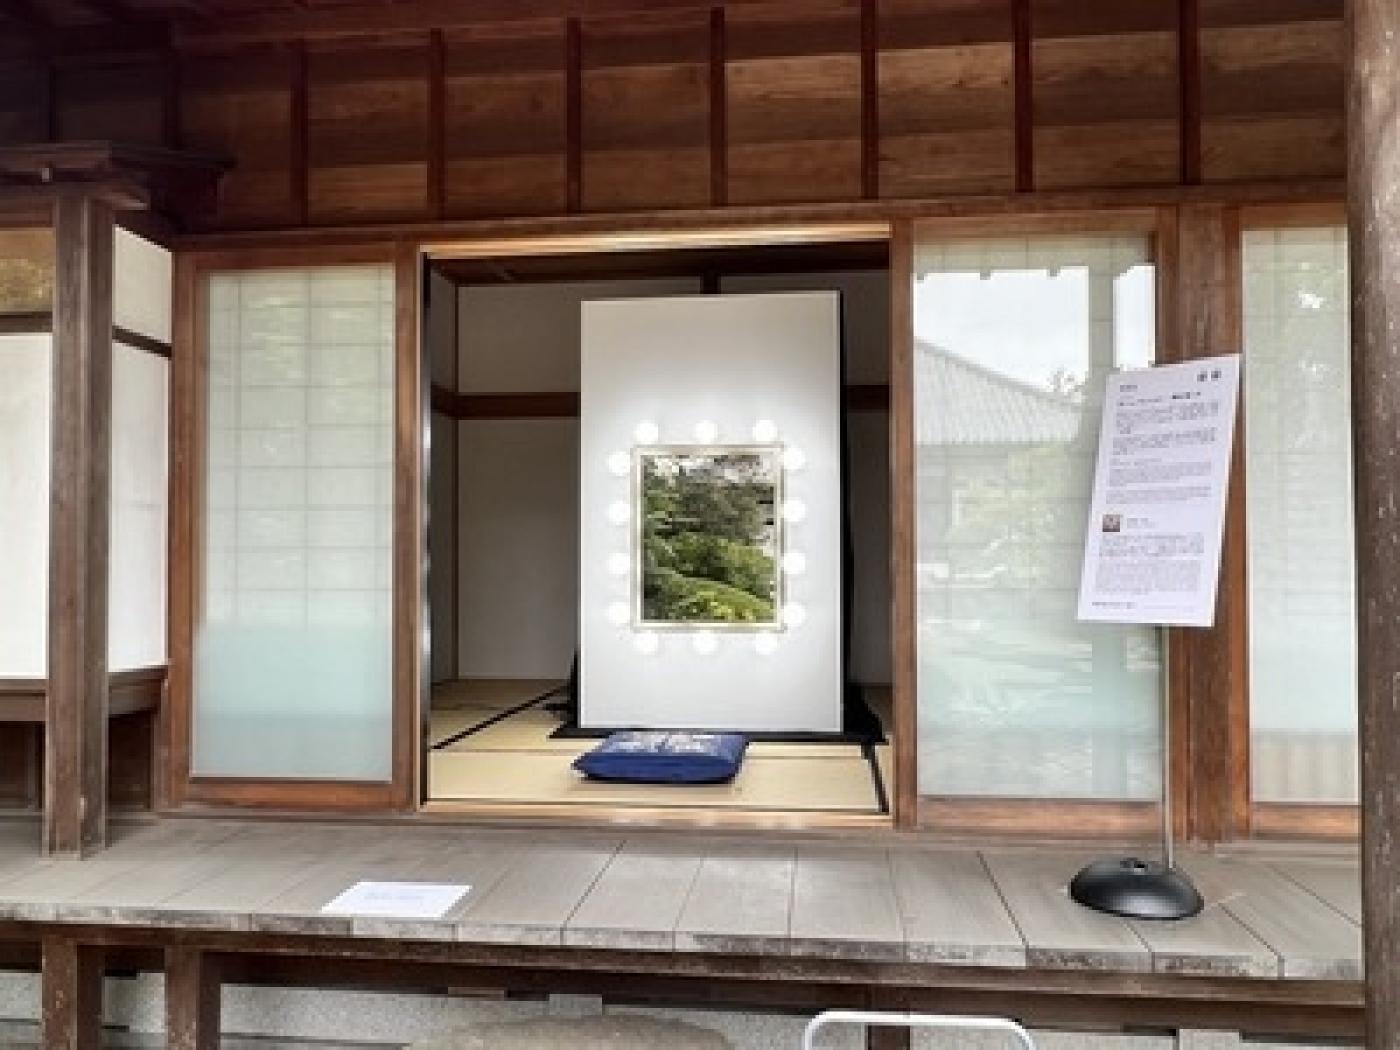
(647, 432)
(618, 613)
(794, 614)
(765, 645)
(794, 458)
(705, 643)
(619, 512)
(794, 563)
(706, 431)
(619, 564)
(794, 510)
(620, 464)
(646, 643)
(765, 432)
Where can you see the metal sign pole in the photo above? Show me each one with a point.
(1168, 831)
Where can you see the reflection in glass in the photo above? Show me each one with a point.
(708, 537)
(1302, 598)
(1014, 340)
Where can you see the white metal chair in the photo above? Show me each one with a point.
(905, 1020)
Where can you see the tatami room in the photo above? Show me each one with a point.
(534, 515)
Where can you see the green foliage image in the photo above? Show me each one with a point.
(708, 540)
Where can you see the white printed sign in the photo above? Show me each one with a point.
(1152, 553)
(397, 900)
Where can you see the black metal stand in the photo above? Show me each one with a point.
(1142, 889)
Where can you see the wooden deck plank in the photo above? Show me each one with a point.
(637, 900)
(1337, 883)
(1060, 934)
(1313, 940)
(844, 906)
(741, 902)
(533, 900)
(1212, 944)
(951, 910)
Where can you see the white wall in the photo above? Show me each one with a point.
(732, 360)
(26, 364)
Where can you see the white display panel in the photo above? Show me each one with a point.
(26, 364)
(709, 370)
(293, 641)
(136, 635)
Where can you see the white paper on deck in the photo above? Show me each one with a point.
(1152, 550)
(397, 900)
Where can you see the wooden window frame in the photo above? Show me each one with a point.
(177, 786)
(1289, 820)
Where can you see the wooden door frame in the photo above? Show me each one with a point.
(178, 786)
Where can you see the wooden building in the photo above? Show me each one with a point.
(253, 253)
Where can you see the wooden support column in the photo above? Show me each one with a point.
(75, 775)
(192, 999)
(1373, 199)
(72, 995)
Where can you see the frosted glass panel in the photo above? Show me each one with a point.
(140, 478)
(1302, 597)
(26, 362)
(1013, 342)
(141, 285)
(292, 652)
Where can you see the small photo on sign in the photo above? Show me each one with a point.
(397, 900)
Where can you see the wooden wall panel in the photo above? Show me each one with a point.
(91, 101)
(946, 98)
(793, 104)
(367, 132)
(1105, 93)
(645, 113)
(505, 116)
(239, 104)
(1271, 90)
(23, 101)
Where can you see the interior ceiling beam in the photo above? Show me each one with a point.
(371, 19)
(118, 11)
(25, 16)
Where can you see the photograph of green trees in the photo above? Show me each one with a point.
(708, 550)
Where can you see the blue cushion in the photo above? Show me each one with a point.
(665, 758)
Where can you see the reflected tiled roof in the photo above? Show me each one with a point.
(978, 406)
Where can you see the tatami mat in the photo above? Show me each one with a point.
(834, 784)
(496, 693)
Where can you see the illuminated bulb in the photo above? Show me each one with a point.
(619, 512)
(618, 613)
(794, 458)
(794, 510)
(620, 464)
(646, 643)
(647, 432)
(706, 431)
(619, 564)
(794, 563)
(765, 645)
(705, 643)
(765, 432)
(794, 614)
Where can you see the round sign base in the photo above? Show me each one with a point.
(1136, 889)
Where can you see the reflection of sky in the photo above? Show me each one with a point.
(1046, 331)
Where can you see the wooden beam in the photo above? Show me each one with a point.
(903, 526)
(299, 129)
(869, 99)
(1024, 103)
(719, 111)
(72, 995)
(80, 479)
(192, 999)
(1373, 198)
(1189, 81)
(437, 125)
(573, 115)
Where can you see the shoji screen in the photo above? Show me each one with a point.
(136, 635)
(292, 646)
(1298, 497)
(1013, 340)
(26, 365)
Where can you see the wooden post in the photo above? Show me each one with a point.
(75, 773)
(72, 994)
(192, 999)
(1373, 204)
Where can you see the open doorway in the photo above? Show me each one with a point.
(502, 339)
